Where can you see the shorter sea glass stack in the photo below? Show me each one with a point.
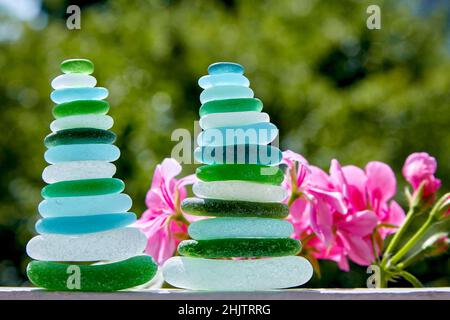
(247, 245)
(85, 242)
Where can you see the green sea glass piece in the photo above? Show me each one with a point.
(227, 208)
(96, 277)
(79, 136)
(231, 105)
(80, 107)
(247, 172)
(235, 247)
(77, 66)
(87, 187)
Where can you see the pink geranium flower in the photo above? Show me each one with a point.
(163, 222)
(419, 168)
(339, 212)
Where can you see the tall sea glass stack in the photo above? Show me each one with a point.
(85, 241)
(245, 244)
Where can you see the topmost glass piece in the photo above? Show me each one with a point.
(84, 66)
(225, 67)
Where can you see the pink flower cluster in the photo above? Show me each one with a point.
(163, 222)
(344, 214)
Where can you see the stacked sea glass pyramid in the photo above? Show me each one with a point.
(85, 242)
(247, 245)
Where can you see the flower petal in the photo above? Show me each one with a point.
(381, 183)
(322, 221)
(359, 224)
(334, 199)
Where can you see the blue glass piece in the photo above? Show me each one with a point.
(84, 224)
(84, 206)
(70, 94)
(225, 67)
(239, 154)
(259, 133)
(82, 152)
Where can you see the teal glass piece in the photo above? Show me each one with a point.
(225, 92)
(231, 105)
(222, 228)
(71, 94)
(254, 134)
(81, 152)
(84, 206)
(225, 79)
(225, 67)
(84, 224)
(239, 154)
(237, 275)
(85, 187)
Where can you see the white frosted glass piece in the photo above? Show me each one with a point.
(118, 244)
(78, 170)
(96, 121)
(74, 80)
(232, 119)
(239, 190)
(237, 275)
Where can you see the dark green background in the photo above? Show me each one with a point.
(334, 88)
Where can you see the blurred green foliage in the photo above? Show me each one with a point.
(334, 88)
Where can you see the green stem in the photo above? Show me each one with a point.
(411, 279)
(410, 260)
(398, 235)
(294, 187)
(374, 248)
(419, 234)
(383, 279)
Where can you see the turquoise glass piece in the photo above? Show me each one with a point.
(237, 275)
(225, 67)
(239, 154)
(232, 119)
(72, 94)
(256, 134)
(225, 92)
(84, 206)
(84, 224)
(223, 228)
(225, 79)
(80, 152)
